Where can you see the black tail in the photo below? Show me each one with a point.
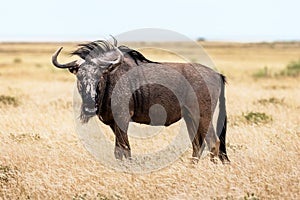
(222, 122)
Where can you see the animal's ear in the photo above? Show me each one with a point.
(74, 70)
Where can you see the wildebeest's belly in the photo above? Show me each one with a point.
(157, 116)
(155, 105)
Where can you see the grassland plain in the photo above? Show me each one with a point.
(41, 156)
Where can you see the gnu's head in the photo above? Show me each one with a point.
(96, 58)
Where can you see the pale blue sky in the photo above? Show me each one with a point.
(235, 20)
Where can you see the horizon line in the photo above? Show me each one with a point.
(237, 39)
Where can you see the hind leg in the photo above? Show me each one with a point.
(213, 142)
(195, 137)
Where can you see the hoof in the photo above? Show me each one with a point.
(121, 152)
(194, 160)
(214, 159)
(224, 158)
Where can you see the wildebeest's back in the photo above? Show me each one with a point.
(172, 93)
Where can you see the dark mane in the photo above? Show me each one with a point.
(137, 56)
(93, 49)
(97, 48)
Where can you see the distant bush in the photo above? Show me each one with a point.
(272, 100)
(257, 117)
(9, 100)
(201, 39)
(262, 73)
(292, 69)
(38, 65)
(17, 60)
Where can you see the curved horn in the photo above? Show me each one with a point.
(114, 62)
(64, 66)
(115, 40)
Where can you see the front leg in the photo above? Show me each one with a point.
(122, 146)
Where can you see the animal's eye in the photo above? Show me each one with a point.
(73, 70)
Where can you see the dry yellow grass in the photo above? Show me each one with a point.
(42, 158)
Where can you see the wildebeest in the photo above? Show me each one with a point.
(107, 73)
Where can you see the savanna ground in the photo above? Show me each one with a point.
(41, 156)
